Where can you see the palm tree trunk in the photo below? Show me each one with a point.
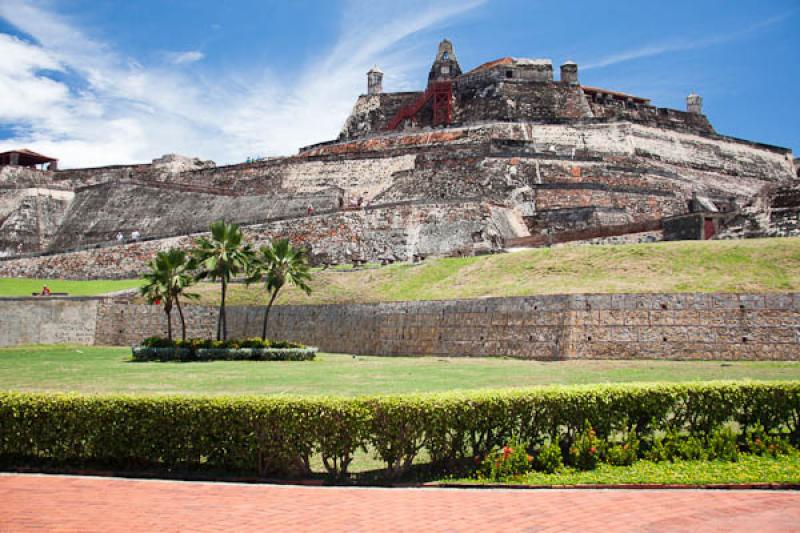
(167, 310)
(183, 320)
(266, 315)
(219, 315)
(223, 313)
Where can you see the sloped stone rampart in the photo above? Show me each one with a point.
(400, 231)
(593, 326)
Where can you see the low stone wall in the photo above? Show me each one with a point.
(48, 321)
(620, 326)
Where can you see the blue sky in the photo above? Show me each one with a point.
(101, 82)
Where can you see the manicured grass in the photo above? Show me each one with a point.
(748, 469)
(24, 287)
(110, 370)
(691, 266)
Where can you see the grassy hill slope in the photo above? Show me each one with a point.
(689, 266)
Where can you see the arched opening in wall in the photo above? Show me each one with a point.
(509, 74)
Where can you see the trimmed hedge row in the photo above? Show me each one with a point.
(145, 353)
(196, 344)
(269, 436)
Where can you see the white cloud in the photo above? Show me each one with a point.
(181, 58)
(683, 45)
(125, 112)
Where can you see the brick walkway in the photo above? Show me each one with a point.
(63, 503)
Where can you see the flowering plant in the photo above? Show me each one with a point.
(586, 450)
(510, 460)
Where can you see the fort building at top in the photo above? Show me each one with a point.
(511, 90)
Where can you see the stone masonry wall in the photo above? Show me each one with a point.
(51, 321)
(620, 326)
(400, 230)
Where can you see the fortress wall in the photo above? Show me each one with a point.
(355, 176)
(740, 164)
(157, 212)
(738, 159)
(81, 177)
(481, 99)
(635, 207)
(620, 326)
(371, 234)
(371, 113)
(14, 177)
(31, 217)
(293, 175)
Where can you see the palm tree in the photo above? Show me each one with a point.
(166, 281)
(279, 264)
(221, 257)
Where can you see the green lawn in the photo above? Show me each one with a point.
(748, 469)
(24, 287)
(109, 370)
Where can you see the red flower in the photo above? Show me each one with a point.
(593, 450)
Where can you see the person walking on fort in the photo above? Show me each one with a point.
(120, 237)
(310, 210)
(135, 235)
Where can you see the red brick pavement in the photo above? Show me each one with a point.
(64, 503)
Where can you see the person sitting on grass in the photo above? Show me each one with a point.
(45, 291)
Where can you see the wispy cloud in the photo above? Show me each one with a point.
(123, 111)
(181, 58)
(682, 45)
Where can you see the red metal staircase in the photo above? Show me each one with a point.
(441, 92)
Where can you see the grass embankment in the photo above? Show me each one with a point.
(25, 287)
(691, 266)
(110, 370)
(756, 265)
(748, 469)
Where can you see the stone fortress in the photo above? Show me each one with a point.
(501, 156)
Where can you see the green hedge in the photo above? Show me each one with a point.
(146, 353)
(269, 435)
(196, 344)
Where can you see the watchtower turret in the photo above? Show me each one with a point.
(445, 67)
(374, 81)
(569, 73)
(694, 103)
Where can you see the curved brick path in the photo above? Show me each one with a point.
(63, 503)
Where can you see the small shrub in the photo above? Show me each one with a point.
(690, 449)
(722, 445)
(549, 459)
(158, 342)
(625, 453)
(508, 461)
(757, 441)
(674, 446)
(585, 451)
